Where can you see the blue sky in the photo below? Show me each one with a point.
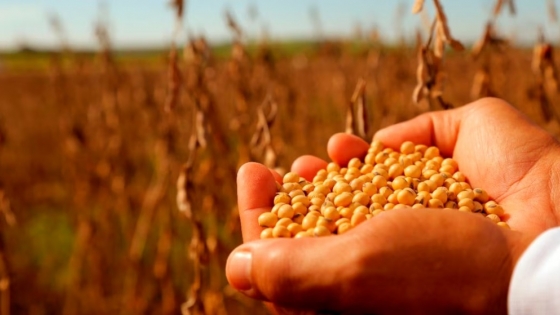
(150, 22)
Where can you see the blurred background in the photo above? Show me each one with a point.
(123, 123)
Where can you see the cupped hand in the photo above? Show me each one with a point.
(498, 149)
(410, 261)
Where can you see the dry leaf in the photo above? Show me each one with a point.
(269, 157)
(349, 120)
(418, 94)
(356, 116)
(200, 133)
(444, 28)
(420, 71)
(482, 42)
(456, 45)
(417, 7)
(442, 20)
(511, 7)
(552, 14)
(498, 7)
(500, 4)
(439, 44)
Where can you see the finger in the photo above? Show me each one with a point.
(256, 188)
(434, 129)
(287, 272)
(343, 147)
(307, 166)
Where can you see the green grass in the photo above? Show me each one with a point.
(31, 60)
(45, 244)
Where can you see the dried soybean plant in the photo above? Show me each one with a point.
(9, 217)
(551, 10)
(315, 18)
(248, 76)
(5, 279)
(418, 6)
(97, 170)
(152, 201)
(165, 150)
(357, 118)
(547, 87)
(77, 149)
(261, 141)
(197, 250)
(86, 151)
(196, 200)
(429, 74)
(59, 31)
(207, 141)
(174, 75)
(240, 72)
(173, 80)
(500, 5)
(103, 38)
(485, 52)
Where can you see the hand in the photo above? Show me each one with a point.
(498, 149)
(420, 261)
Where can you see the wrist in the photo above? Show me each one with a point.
(517, 243)
(491, 297)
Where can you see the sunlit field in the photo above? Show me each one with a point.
(117, 168)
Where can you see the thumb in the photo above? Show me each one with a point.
(306, 273)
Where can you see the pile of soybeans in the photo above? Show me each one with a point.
(340, 198)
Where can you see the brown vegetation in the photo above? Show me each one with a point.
(122, 176)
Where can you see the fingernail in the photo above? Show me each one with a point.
(239, 270)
